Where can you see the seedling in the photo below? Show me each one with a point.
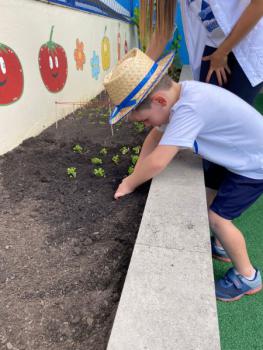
(100, 172)
(130, 169)
(72, 172)
(96, 161)
(136, 149)
(116, 159)
(77, 149)
(139, 126)
(103, 151)
(134, 159)
(124, 150)
(79, 113)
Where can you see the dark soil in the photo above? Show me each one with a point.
(65, 243)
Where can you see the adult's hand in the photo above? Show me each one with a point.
(218, 64)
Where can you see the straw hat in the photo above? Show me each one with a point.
(132, 79)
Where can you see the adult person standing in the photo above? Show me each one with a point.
(224, 40)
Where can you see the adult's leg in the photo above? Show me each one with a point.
(239, 84)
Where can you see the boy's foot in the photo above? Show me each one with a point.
(233, 287)
(218, 252)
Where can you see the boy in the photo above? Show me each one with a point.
(216, 124)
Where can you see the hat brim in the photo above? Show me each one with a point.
(163, 65)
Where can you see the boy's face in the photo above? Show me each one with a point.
(156, 115)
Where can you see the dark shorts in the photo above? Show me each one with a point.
(235, 193)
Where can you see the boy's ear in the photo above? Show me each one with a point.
(160, 99)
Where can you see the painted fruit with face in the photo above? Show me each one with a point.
(53, 65)
(105, 51)
(11, 76)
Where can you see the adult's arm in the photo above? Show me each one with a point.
(218, 60)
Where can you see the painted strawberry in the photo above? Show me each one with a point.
(53, 65)
(11, 76)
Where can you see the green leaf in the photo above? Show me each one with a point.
(124, 150)
(77, 148)
(134, 159)
(72, 172)
(103, 151)
(100, 172)
(116, 159)
(130, 169)
(96, 160)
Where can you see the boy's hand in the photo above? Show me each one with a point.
(124, 188)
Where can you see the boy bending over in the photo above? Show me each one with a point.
(218, 126)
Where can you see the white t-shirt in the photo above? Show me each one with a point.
(219, 126)
(202, 9)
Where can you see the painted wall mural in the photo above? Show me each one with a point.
(105, 52)
(11, 76)
(79, 55)
(126, 48)
(119, 43)
(95, 65)
(53, 65)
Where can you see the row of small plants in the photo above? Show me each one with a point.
(97, 161)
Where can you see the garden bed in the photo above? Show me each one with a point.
(65, 243)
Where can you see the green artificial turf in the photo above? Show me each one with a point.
(259, 103)
(241, 322)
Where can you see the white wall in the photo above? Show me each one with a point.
(25, 26)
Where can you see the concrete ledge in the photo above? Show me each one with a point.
(168, 300)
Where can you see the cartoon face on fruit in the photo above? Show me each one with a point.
(105, 51)
(53, 65)
(11, 76)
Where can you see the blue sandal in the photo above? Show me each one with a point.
(233, 287)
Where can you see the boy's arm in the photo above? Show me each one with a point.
(149, 144)
(151, 166)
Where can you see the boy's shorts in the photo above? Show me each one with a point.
(235, 193)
